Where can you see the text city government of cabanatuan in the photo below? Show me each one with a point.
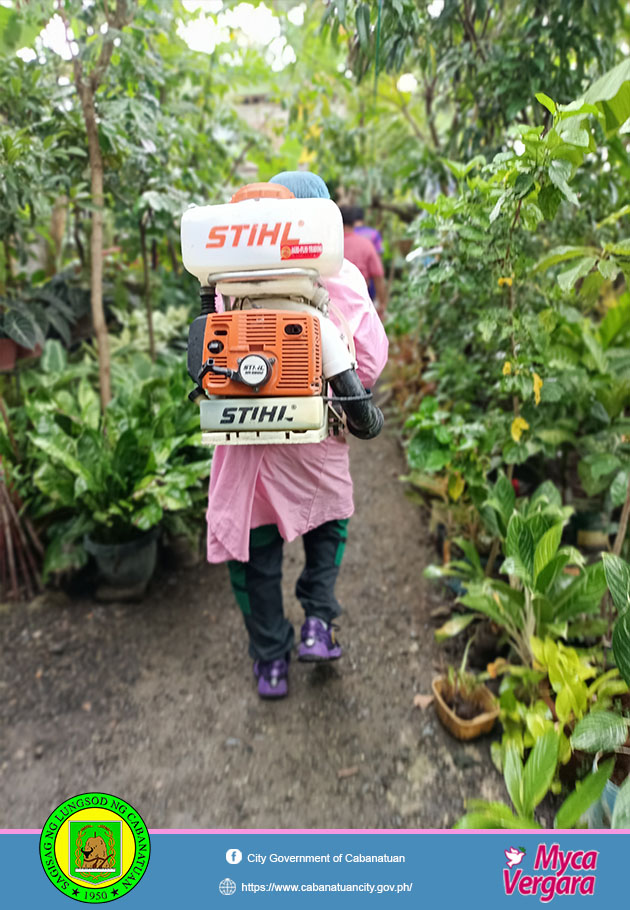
(325, 858)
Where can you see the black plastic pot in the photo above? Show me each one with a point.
(125, 565)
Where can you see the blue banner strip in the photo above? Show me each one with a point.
(398, 869)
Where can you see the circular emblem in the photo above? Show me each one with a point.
(285, 252)
(94, 848)
(254, 369)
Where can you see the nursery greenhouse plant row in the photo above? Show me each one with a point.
(489, 144)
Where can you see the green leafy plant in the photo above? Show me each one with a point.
(556, 694)
(461, 688)
(618, 578)
(537, 598)
(116, 476)
(527, 785)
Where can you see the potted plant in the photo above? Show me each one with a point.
(527, 784)
(464, 705)
(605, 733)
(19, 328)
(106, 483)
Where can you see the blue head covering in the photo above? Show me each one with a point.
(302, 184)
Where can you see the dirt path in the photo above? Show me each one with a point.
(155, 702)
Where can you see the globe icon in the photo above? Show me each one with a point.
(227, 886)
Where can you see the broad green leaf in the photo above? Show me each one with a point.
(53, 359)
(89, 403)
(546, 101)
(483, 603)
(522, 185)
(617, 319)
(583, 595)
(599, 731)
(551, 571)
(58, 451)
(496, 211)
(608, 268)
(21, 328)
(554, 436)
(614, 216)
(513, 774)
(585, 794)
(549, 199)
(562, 254)
(362, 17)
(620, 248)
(519, 543)
(539, 770)
(470, 552)
(621, 812)
(454, 626)
(503, 500)
(611, 95)
(595, 350)
(582, 267)
(559, 173)
(618, 580)
(621, 645)
(547, 548)
(547, 493)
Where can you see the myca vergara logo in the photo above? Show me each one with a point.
(555, 872)
(94, 847)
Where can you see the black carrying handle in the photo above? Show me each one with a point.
(365, 420)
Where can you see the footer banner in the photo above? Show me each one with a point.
(100, 854)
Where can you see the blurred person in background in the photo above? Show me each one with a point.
(371, 233)
(362, 252)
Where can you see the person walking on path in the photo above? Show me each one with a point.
(261, 496)
(372, 234)
(362, 252)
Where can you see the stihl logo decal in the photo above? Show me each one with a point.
(251, 235)
(258, 414)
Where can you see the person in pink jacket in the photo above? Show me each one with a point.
(261, 496)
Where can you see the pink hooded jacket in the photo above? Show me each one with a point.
(296, 487)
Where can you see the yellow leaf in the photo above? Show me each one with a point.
(507, 368)
(497, 666)
(306, 157)
(518, 427)
(538, 384)
(456, 484)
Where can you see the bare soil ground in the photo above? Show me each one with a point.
(155, 702)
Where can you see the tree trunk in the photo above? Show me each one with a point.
(96, 246)
(147, 287)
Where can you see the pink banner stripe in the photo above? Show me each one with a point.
(539, 831)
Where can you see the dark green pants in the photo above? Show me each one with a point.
(257, 585)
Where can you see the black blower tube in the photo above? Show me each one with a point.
(365, 420)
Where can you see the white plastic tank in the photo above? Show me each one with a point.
(263, 233)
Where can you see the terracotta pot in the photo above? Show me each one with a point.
(466, 729)
(23, 353)
(8, 353)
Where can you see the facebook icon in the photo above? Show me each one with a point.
(234, 856)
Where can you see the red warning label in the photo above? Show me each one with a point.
(302, 251)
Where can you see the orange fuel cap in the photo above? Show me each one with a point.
(262, 191)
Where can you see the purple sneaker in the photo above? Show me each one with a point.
(273, 678)
(318, 641)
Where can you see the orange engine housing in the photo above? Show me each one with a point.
(292, 339)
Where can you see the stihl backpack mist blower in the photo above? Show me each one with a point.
(262, 367)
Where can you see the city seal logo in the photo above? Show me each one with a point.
(94, 847)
